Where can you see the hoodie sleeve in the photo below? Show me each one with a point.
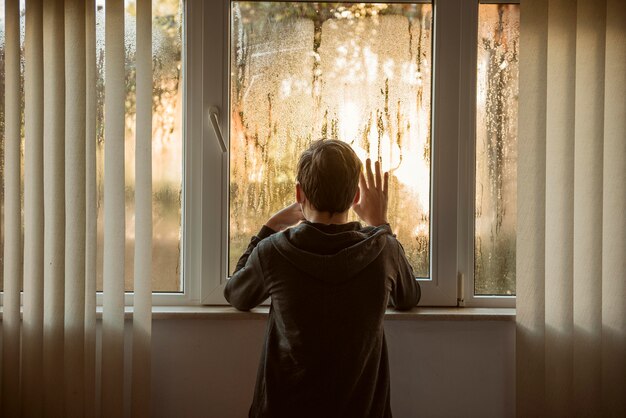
(246, 287)
(406, 291)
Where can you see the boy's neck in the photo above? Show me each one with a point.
(326, 218)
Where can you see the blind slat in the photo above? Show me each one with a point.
(589, 116)
(531, 209)
(32, 324)
(114, 216)
(142, 316)
(12, 216)
(613, 219)
(561, 64)
(54, 207)
(91, 210)
(75, 207)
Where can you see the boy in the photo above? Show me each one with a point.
(330, 281)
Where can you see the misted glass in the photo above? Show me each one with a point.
(360, 73)
(496, 149)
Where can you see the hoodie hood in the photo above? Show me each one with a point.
(331, 253)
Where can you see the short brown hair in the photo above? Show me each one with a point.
(328, 172)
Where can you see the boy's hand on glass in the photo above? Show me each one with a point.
(372, 204)
(286, 217)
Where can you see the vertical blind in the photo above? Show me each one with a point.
(571, 271)
(54, 206)
(49, 356)
(12, 215)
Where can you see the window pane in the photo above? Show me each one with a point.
(360, 73)
(496, 149)
(167, 141)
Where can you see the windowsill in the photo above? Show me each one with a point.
(415, 314)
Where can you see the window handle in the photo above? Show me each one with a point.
(214, 115)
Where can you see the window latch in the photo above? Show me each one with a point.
(214, 116)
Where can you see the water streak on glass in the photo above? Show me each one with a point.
(496, 149)
(167, 141)
(360, 73)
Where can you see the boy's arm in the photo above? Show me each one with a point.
(406, 291)
(246, 287)
(372, 208)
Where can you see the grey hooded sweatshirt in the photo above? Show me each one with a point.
(325, 353)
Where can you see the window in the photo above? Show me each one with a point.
(269, 111)
(430, 88)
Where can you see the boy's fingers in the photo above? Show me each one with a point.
(386, 183)
(370, 175)
(378, 178)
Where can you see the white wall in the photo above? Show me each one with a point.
(207, 368)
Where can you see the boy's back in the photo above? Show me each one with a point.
(330, 281)
(325, 352)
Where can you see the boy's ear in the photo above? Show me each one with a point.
(300, 196)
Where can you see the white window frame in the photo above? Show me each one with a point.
(205, 183)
